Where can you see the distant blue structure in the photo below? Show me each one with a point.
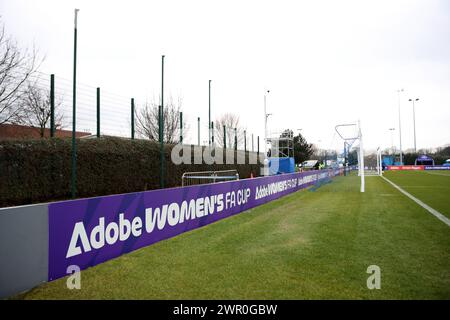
(281, 165)
(388, 160)
(282, 151)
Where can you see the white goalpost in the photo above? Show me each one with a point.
(354, 135)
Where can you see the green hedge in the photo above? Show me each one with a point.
(40, 170)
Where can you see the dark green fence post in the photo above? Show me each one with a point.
(224, 137)
(258, 145)
(98, 112)
(52, 105)
(235, 139)
(245, 141)
(132, 118)
(74, 112)
(181, 127)
(161, 126)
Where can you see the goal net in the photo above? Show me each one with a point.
(366, 164)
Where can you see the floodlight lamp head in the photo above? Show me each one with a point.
(76, 16)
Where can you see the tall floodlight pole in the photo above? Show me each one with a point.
(209, 112)
(74, 101)
(162, 125)
(266, 115)
(414, 121)
(253, 145)
(198, 130)
(392, 139)
(400, 126)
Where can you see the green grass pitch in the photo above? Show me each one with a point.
(308, 245)
(432, 187)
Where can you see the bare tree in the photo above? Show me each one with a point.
(16, 67)
(36, 110)
(230, 121)
(147, 121)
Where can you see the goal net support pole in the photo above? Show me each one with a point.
(378, 161)
(361, 158)
(360, 151)
(379, 171)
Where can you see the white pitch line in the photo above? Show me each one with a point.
(437, 174)
(434, 212)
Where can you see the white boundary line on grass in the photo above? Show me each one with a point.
(436, 173)
(434, 212)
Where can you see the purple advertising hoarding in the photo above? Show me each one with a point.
(437, 167)
(90, 231)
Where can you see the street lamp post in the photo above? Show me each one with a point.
(198, 130)
(253, 145)
(400, 126)
(414, 121)
(209, 113)
(392, 139)
(266, 115)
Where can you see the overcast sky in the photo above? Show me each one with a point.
(325, 62)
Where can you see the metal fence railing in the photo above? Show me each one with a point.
(205, 177)
(101, 113)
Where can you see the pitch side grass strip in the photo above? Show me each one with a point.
(434, 212)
